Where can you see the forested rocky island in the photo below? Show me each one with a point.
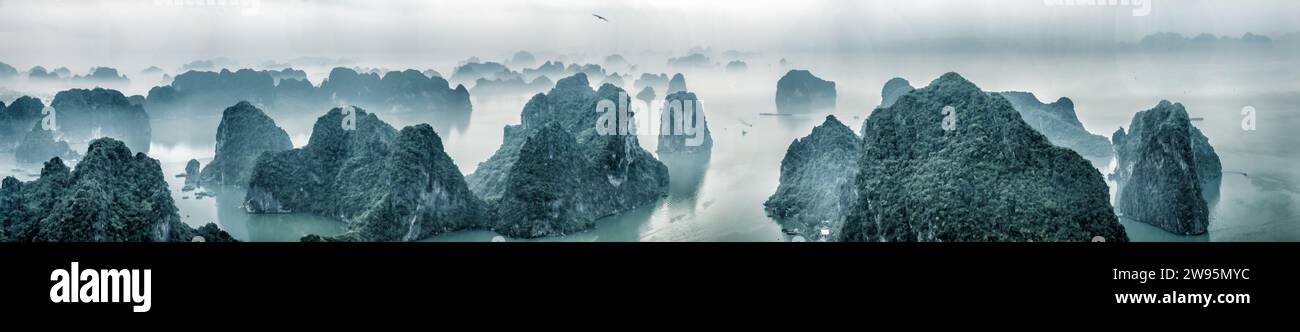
(111, 196)
(676, 84)
(40, 145)
(1166, 171)
(682, 132)
(387, 185)
(554, 174)
(199, 92)
(83, 115)
(17, 119)
(244, 134)
(817, 180)
(1061, 125)
(799, 91)
(894, 88)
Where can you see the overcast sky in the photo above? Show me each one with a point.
(91, 32)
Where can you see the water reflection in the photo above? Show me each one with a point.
(1143, 232)
(798, 121)
(685, 174)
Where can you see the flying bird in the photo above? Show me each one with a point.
(602, 18)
